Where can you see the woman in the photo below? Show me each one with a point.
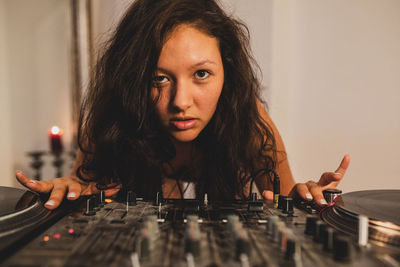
(174, 107)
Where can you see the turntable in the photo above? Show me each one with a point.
(165, 232)
(382, 207)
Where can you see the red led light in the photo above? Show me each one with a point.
(57, 236)
(70, 230)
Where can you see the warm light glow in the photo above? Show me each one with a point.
(57, 236)
(55, 130)
(46, 238)
(108, 200)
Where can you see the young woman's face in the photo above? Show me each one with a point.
(190, 76)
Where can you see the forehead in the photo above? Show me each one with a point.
(189, 44)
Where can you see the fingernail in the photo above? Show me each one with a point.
(50, 203)
(323, 202)
(337, 173)
(18, 171)
(309, 196)
(32, 181)
(71, 195)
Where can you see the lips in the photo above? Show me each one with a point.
(183, 123)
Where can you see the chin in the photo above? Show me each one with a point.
(185, 136)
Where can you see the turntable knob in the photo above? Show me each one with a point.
(310, 224)
(131, 198)
(331, 194)
(342, 248)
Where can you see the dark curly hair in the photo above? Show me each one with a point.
(119, 133)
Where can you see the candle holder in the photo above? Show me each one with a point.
(58, 162)
(37, 162)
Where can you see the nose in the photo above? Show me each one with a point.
(182, 97)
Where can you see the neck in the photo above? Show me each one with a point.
(183, 149)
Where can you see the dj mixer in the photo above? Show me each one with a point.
(356, 229)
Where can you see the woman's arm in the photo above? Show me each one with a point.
(282, 165)
(310, 190)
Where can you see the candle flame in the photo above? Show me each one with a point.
(55, 130)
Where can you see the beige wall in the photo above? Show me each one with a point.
(336, 88)
(35, 89)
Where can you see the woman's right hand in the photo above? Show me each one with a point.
(58, 187)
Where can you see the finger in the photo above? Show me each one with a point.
(34, 185)
(267, 194)
(74, 191)
(56, 197)
(316, 193)
(302, 191)
(344, 164)
(332, 179)
(111, 191)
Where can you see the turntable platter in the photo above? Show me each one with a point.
(381, 205)
(10, 200)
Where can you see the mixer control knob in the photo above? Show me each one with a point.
(287, 205)
(242, 247)
(145, 247)
(318, 232)
(131, 198)
(158, 199)
(331, 194)
(271, 226)
(310, 224)
(342, 248)
(90, 207)
(102, 198)
(192, 246)
(292, 249)
(327, 236)
(280, 201)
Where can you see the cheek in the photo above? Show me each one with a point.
(211, 99)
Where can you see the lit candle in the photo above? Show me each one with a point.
(55, 140)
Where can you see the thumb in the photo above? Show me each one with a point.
(267, 194)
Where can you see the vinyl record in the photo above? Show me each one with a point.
(380, 206)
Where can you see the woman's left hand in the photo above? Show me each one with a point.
(329, 180)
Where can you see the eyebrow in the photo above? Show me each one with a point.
(198, 64)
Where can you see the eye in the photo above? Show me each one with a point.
(202, 74)
(160, 79)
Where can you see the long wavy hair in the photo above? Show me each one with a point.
(119, 133)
